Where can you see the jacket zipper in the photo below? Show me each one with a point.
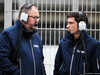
(33, 57)
(20, 65)
(33, 54)
(73, 57)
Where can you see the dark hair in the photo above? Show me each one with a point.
(25, 8)
(77, 16)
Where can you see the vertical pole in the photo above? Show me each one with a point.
(21, 3)
(7, 13)
(74, 5)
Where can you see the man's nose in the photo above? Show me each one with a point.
(36, 21)
(67, 26)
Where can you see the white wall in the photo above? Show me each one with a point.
(49, 57)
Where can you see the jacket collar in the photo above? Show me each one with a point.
(24, 31)
(71, 37)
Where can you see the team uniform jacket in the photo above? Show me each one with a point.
(30, 51)
(75, 58)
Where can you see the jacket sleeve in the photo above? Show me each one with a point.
(44, 71)
(6, 65)
(41, 47)
(96, 59)
(58, 61)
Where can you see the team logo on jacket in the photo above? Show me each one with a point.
(35, 46)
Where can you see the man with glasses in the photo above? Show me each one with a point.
(21, 46)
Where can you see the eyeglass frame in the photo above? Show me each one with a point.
(36, 18)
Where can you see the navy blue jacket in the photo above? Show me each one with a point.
(30, 51)
(74, 57)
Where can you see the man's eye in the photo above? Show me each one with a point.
(70, 22)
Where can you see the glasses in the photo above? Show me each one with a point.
(36, 18)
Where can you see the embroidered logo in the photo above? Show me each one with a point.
(35, 46)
